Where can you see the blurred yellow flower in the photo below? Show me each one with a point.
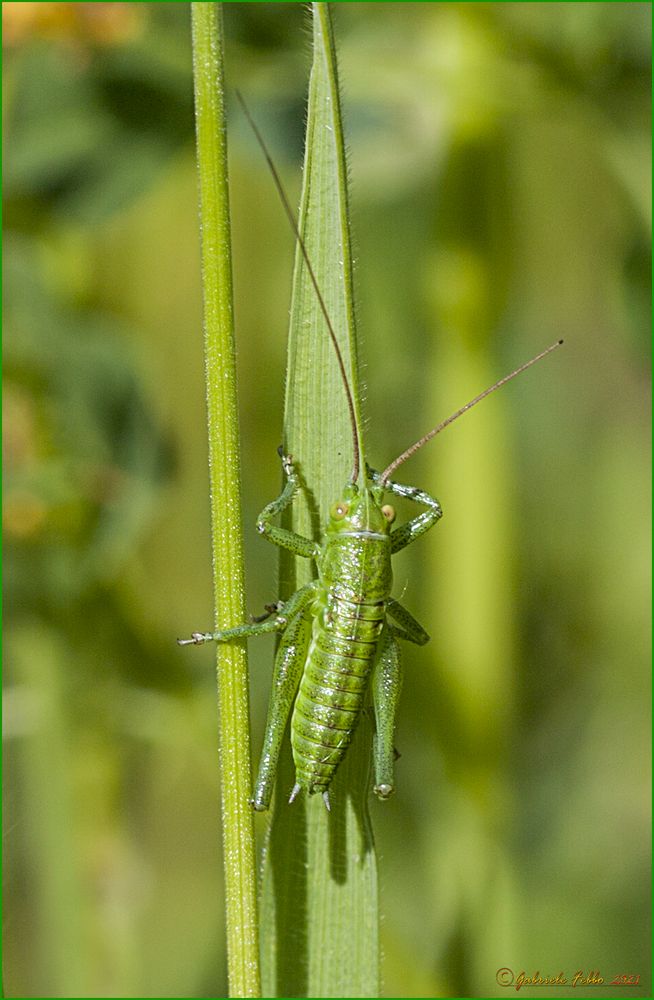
(77, 23)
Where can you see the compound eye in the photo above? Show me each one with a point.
(388, 512)
(339, 510)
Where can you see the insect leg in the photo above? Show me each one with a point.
(386, 686)
(287, 672)
(239, 632)
(409, 628)
(269, 609)
(274, 622)
(417, 526)
(290, 540)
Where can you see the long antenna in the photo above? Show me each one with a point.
(455, 416)
(314, 282)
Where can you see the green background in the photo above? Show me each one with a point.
(500, 171)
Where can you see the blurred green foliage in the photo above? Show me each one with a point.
(500, 187)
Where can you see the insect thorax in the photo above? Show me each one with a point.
(356, 566)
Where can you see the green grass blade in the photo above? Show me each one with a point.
(238, 827)
(319, 889)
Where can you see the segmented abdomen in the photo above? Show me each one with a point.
(341, 656)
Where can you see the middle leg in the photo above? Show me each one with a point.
(409, 629)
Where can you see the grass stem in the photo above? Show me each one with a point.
(234, 742)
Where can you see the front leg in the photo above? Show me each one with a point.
(417, 526)
(297, 544)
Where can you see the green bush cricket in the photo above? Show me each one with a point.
(339, 633)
